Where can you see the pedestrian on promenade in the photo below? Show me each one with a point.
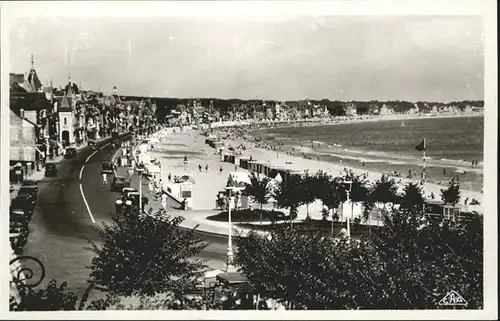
(104, 178)
(164, 201)
(130, 171)
(151, 187)
(169, 177)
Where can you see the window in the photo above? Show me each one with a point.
(65, 121)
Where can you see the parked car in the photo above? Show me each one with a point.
(107, 167)
(134, 197)
(22, 204)
(19, 216)
(127, 190)
(28, 190)
(92, 144)
(70, 152)
(50, 169)
(30, 182)
(119, 182)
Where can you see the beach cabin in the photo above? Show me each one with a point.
(252, 166)
(154, 171)
(181, 192)
(244, 163)
(436, 210)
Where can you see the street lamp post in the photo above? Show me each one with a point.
(230, 253)
(140, 170)
(348, 183)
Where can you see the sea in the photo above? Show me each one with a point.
(389, 146)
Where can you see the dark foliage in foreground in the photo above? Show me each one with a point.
(410, 264)
(146, 254)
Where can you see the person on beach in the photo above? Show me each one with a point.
(206, 168)
(444, 171)
(220, 169)
(363, 164)
(169, 177)
(199, 167)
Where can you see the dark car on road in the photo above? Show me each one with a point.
(107, 167)
(70, 152)
(92, 144)
(134, 197)
(127, 190)
(23, 202)
(50, 170)
(30, 191)
(30, 182)
(119, 182)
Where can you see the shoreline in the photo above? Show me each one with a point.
(312, 122)
(440, 170)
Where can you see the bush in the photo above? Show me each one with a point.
(247, 215)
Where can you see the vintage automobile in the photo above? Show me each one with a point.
(107, 167)
(30, 182)
(28, 190)
(92, 144)
(70, 152)
(119, 182)
(127, 190)
(22, 204)
(134, 197)
(50, 169)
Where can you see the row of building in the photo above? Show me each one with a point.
(44, 119)
(195, 113)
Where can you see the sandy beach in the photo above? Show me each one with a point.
(173, 147)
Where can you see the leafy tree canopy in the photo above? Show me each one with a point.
(146, 254)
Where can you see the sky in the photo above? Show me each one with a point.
(432, 58)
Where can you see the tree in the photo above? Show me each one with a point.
(146, 254)
(409, 264)
(431, 258)
(309, 188)
(451, 195)
(287, 194)
(384, 191)
(259, 190)
(412, 197)
(328, 191)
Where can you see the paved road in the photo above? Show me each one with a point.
(61, 225)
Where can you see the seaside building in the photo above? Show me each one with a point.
(386, 111)
(351, 110)
(24, 155)
(32, 105)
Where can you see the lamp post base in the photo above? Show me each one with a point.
(230, 268)
(229, 263)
